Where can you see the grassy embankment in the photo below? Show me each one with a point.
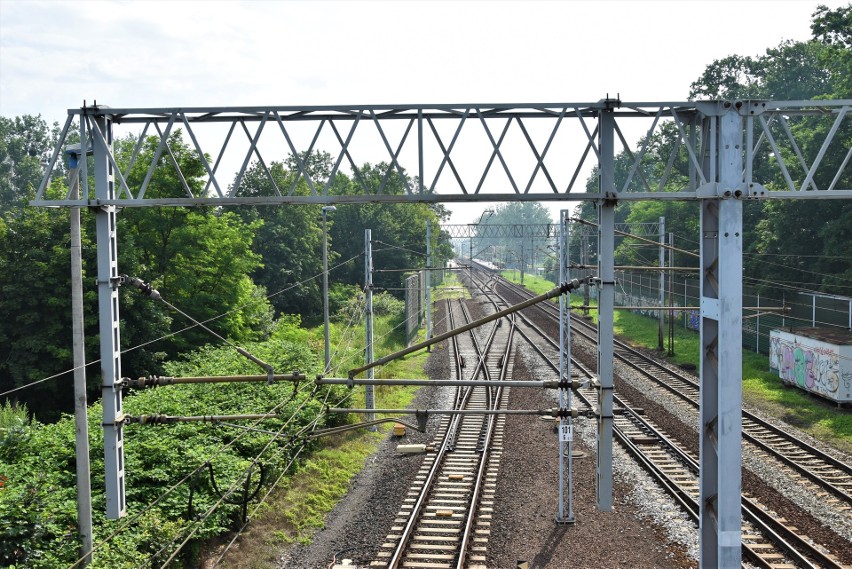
(298, 509)
(761, 388)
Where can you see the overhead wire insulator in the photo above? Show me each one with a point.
(143, 287)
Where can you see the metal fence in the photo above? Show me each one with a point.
(804, 309)
(415, 299)
(413, 304)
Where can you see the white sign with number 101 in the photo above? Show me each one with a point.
(566, 433)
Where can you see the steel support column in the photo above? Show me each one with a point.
(565, 514)
(327, 342)
(107, 239)
(660, 313)
(606, 303)
(428, 281)
(369, 400)
(721, 351)
(584, 260)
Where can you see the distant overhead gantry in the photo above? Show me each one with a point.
(539, 230)
(450, 153)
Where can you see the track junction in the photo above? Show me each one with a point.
(448, 514)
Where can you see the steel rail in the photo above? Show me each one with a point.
(414, 517)
(773, 530)
(493, 403)
(484, 457)
(463, 397)
(750, 421)
(433, 470)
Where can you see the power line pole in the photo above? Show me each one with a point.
(671, 291)
(369, 398)
(429, 281)
(108, 316)
(325, 211)
(660, 312)
(606, 303)
(565, 513)
(81, 423)
(584, 260)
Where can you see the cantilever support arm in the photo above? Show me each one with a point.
(554, 292)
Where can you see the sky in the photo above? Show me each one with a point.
(157, 53)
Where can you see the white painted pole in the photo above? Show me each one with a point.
(660, 312)
(369, 397)
(429, 281)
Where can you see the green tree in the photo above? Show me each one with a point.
(398, 230)
(35, 305)
(288, 239)
(511, 249)
(199, 259)
(25, 141)
(809, 246)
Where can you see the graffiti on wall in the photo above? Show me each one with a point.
(649, 305)
(693, 320)
(809, 367)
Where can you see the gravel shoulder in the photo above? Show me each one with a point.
(527, 501)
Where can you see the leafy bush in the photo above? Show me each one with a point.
(38, 494)
(384, 304)
(339, 295)
(14, 429)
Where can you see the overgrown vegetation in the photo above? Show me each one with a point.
(38, 498)
(300, 507)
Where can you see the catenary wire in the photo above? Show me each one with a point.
(198, 523)
(175, 333)
(172, 488)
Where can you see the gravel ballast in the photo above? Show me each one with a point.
(644, 530)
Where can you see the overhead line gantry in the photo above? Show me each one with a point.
(487, 152)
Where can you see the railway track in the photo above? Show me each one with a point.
(830, 475)
(768, 541)
(446, 517)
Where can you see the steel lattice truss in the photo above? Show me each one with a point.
(539, 230)
(456, 152)
(494, 230)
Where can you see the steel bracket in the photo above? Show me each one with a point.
(756, 191)
(751, 108)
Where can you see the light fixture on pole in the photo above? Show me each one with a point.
(325, 211)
